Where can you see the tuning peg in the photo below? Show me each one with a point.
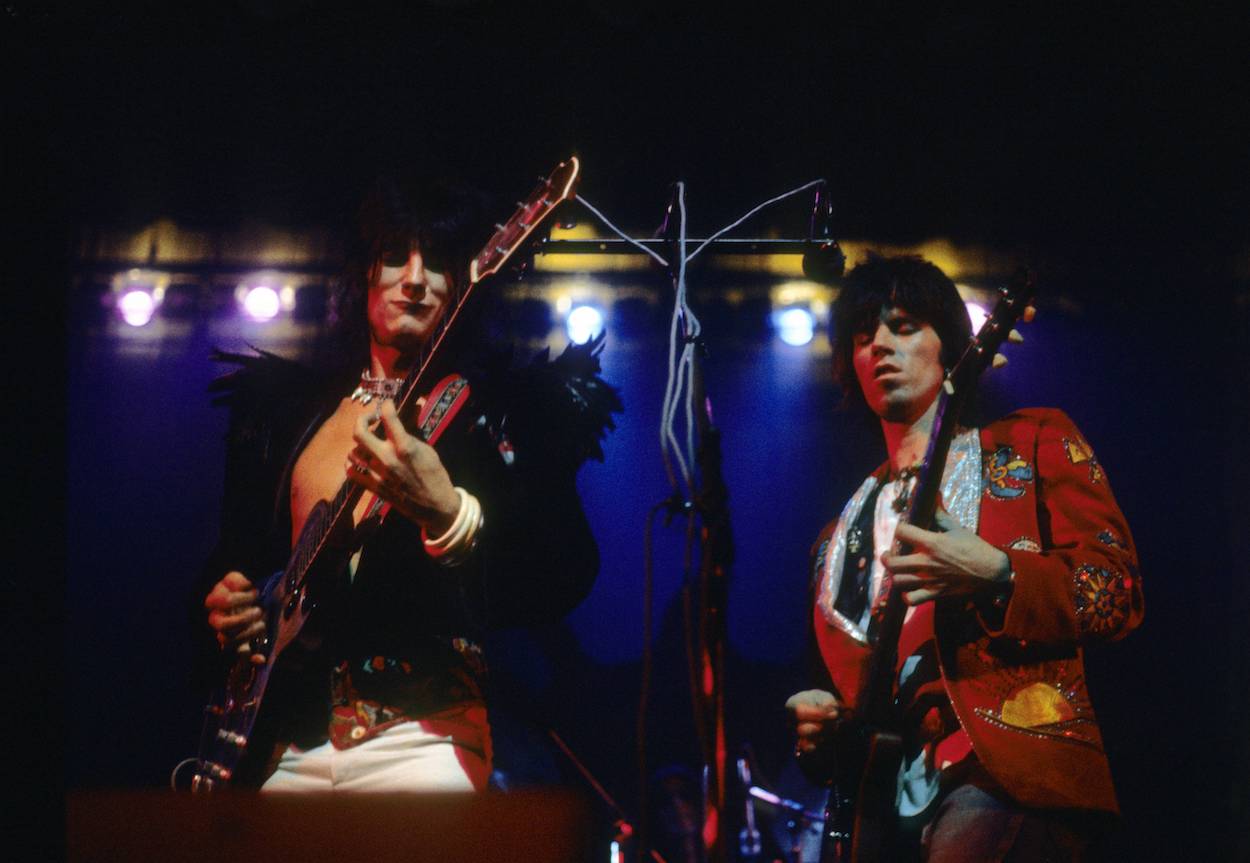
(1029, 313)
(999, 361)
(1015, 337)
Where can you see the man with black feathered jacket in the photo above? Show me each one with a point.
(383, 690)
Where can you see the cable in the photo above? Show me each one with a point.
(173, 776)
(751, 213)
(618, 231)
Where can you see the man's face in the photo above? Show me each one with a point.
(406, 301)
(898, 365)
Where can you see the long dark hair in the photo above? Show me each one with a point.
(445, 219)
(903, 281)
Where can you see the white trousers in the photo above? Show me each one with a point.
(449, 751)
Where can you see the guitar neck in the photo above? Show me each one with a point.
(876, 697)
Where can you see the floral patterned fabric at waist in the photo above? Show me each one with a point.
(372, 695)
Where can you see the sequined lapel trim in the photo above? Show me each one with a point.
(961, 495)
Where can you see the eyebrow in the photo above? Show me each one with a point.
(897, 315)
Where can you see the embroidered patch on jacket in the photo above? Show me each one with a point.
(1079, 452)
(1043, 710)
(1107, 537)
(1102, 599)
(1034, 705)
(1006, 473)
(1026, 543)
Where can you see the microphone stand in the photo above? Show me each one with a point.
(711, 504)
(822, 257)
(798, 819)
(624, 830)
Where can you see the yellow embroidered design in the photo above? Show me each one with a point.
(1079, 452)
(1034, 705)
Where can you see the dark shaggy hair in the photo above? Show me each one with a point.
(907, 282)
(447, 221)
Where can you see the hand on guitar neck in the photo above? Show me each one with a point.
(949, 561)
(403, 470)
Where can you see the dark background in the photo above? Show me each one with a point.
(1109, 148)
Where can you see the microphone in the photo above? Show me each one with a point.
(825, 261)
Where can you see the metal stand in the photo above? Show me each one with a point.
(822, 258)
(624, 830)
(799, 820)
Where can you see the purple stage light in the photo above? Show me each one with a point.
(261, 303)
(137, 307)
(977, 313)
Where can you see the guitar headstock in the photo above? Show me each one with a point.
(509, 236)
(1014, 304)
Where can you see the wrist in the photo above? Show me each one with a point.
(1003, 574)
(445, 511)
(460, 538)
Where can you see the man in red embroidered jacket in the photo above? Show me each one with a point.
(1031, 559)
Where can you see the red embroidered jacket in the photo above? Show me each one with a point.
(1014, 672)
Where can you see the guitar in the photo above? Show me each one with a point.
(868, 745)
(328, 538)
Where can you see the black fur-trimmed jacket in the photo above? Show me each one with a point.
(516, 446)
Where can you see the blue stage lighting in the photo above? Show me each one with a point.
(796, 326)
(583, 324)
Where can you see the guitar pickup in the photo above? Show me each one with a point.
(211, 770)
(233, 738)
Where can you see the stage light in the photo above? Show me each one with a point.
(261, 303)
(977, 313)
(796, 326)
(583, 324)
(136, 306)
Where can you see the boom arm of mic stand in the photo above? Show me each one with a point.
(624, 829)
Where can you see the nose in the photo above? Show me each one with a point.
(882, 341)
(414, 272)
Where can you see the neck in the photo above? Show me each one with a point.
(388, 362)
(907, 441)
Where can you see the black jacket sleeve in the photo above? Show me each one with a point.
(538, 557)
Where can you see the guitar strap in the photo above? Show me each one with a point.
(442, 404)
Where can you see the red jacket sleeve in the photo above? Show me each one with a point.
(1083, 582)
